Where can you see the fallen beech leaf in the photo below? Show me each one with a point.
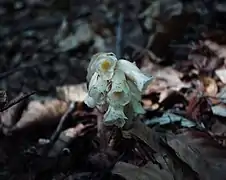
(210, 86)
(201, 152)
(148, 172)
(10, 116)
(221, 73)
(75, 93)
(41, 113)
(145, 134)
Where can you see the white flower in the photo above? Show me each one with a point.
(120, 92)
(102, 63)
(134, 74)
(137, 107)
(115, 116)
(136, 98)
(96, 91)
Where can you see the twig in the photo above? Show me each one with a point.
(57, 132)
(17, 100)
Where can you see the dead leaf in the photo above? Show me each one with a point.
(38, 113)
(67, 136)
(198, 109)
(76, 93)
(201, 152)
(221, 74)
(145, 134)
(206, 57)
(148, 172)
(210, 86)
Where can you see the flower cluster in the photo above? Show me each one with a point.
(118, 84)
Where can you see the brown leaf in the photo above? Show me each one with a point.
(201, 152)
(38, 113)
(210, 86)
(145, 134)
(72, 92)
(198, 109)
(148, 172)
(67, 136)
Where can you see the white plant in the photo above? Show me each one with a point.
(117, 84)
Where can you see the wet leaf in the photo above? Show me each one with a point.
(201, 152)
(144, 133)
(148, 172)
(168, 118)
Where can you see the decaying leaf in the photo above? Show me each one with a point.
(221, 73)
(210, 86)
(148, 172)
(75, 93)
(168, 118)
(38, 113)
(67, 136)
(201, 152)
(145, 134)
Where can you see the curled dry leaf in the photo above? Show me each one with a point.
(72, 92)
(210, 86)
(148, 172)
(201, 152)
(38, 113)
(145, 134)
(67, 136)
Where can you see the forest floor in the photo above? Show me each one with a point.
(48, 133)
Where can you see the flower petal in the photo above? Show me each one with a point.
(120, 92)
(134, 90)
(89, 101)
(115, 116)
(137, 107)
(134, 74)
(97, 89)
(103, 64)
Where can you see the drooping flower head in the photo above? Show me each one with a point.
(118, 85)
(104, 64)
